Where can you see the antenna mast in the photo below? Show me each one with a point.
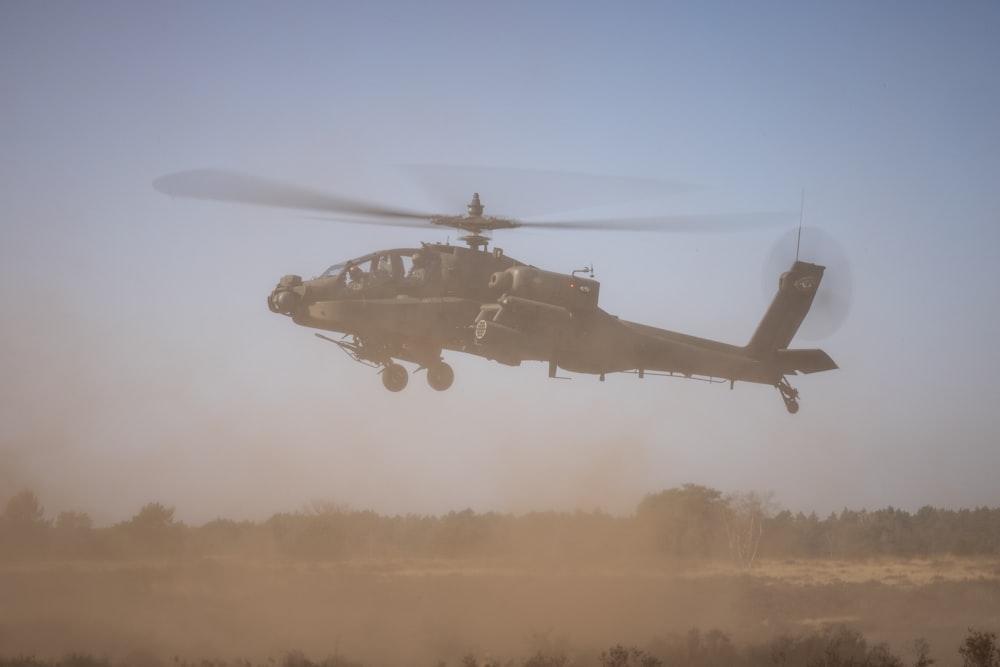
(802, 208)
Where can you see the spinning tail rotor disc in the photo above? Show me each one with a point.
(832, 304)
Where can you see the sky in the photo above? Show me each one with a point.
(139, 362)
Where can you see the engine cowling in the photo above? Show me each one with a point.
(559, 289)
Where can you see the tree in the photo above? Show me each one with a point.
(745, 515)
(622, 656)
(685, 522)
(24, 511)
(923, 651)
(73, 522)
(23, 528)
(152, 529)
(152, 517)
(73, 535)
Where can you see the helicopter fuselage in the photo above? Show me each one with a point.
(412, 304)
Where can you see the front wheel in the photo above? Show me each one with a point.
(440, 376)
(394, 377)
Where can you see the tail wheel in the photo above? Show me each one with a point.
(789, 394)
(394, 377)
(440, 376)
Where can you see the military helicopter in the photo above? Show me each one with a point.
(412, 304)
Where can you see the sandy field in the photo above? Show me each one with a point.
(424, 612)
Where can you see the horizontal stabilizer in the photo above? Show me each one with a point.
(804, 361)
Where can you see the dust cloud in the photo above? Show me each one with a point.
(104, 432)
(422, 590)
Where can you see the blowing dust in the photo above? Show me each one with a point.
(408, 577)
(439, 589)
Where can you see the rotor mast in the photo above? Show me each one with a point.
(476, 240)
(475, 207)
(475, 223)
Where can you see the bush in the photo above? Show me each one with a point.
(980, 649)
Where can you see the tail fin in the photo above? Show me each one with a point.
(796, 290)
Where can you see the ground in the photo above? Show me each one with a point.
(422, 612)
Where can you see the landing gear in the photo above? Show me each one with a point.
(440, 376)
(377, 354)
(789, 395)
(394, 377)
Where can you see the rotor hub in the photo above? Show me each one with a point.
(475, 207)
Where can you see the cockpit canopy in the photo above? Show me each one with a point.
(428, 271)
(400, 267)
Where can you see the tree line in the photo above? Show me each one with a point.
(834, 646)
(687, 523)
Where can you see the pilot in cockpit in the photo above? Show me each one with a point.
(418, 274)
(383, 271)
(357, 276)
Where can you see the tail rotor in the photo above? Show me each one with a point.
(832, 303)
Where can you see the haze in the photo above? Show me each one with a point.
(139, 362)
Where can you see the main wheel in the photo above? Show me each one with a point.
(440, 376)
(792, 406)
(394, 377)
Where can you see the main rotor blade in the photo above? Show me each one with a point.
(724, 222)
(382, 222)
(231, 186)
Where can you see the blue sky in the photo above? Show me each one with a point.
(139, 362)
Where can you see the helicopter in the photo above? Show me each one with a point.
(413, 304)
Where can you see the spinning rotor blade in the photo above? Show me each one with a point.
(231, 186)
(222, 185)
(832, 303)
(673, 223)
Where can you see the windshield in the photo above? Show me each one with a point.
(334, 270)
(401, 268)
